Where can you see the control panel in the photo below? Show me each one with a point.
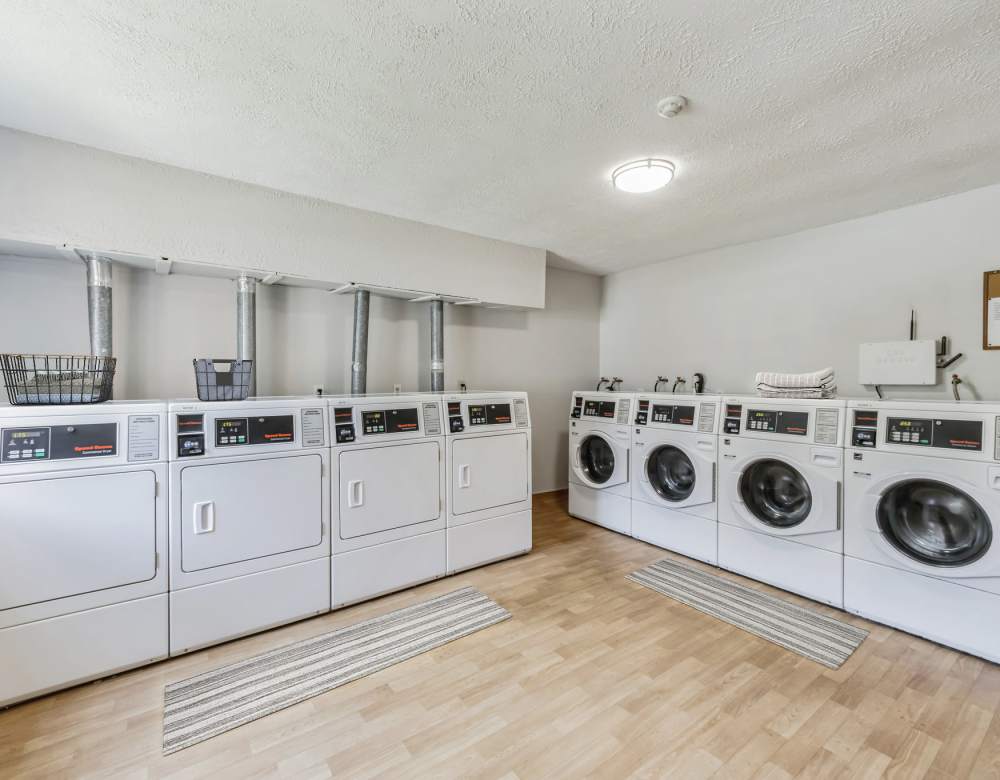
(390, 421)
(863, 431)
(778, 421)
(237, 431)
(928, 432)
(59, 442)
(673, 414)
(603, 409)
(352, 423)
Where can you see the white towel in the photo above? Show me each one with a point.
(825, 377)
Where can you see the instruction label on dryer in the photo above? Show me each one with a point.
(143, 437)
(313, 428)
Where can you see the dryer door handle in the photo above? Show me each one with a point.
(355, 493)
(204, 517)
(464, 475)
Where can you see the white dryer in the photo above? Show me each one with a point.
(249, 517)
(488, 466)
(781, 467)
(83, 543)
(922, 520)
(599, 455)
(675, 445)
(388, 488)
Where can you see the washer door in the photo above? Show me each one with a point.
(934, 523)
(671, 473)
(776, 493)
(597, 459)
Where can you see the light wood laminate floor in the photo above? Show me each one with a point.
(593, 676)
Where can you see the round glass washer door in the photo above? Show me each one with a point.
(776, 493)
(597, 459)
(934, 523)
(671, 473)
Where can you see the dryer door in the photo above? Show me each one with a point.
(599, 462)
(488, 472)
(382, 488)
(934, 523)
(75, 534)
(679, 476)
(245, 510)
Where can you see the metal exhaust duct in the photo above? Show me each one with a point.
(246, 324)
(359, 353)
(437, 346)
(99, 304)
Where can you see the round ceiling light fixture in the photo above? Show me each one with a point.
(643, 175)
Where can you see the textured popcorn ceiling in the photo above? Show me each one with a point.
(505, 118)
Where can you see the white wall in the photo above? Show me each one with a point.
(805, 301)
(304, 339)
(57, 193)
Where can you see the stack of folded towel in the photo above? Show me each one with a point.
(818, 384)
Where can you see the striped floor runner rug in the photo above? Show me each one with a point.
(215, 702)
(804, 631)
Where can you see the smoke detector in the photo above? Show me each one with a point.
(671, 106)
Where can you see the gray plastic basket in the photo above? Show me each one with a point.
(222, 379)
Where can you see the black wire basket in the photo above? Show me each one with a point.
(35, 380)
(216, 383)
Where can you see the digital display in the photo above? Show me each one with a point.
(20, 444)
(734, 410)
(343, 415)
(231, 431)
(599, 409)
(390, 421)
(454, 408)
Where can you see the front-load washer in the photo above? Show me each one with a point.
(83, 543)
(388, 489)
(488, 465)
(781, 467)
(599, 448)
(675, 447)
(922, 520)
(249, 517)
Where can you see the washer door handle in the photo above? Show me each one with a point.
(464, 475)
(204, 517)
(643, 474)
(355, 493)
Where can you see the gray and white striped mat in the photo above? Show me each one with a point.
(215, 702)
(816, 636)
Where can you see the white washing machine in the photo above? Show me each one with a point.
(83, 543)
(922, 519)
(599, 448)
(488, 464)
(249, 517)
(675, 445)
(781, 470)
(388, 488)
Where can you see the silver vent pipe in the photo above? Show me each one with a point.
(359, 352)
(99, 304)
(246, 324)
(437, 346)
